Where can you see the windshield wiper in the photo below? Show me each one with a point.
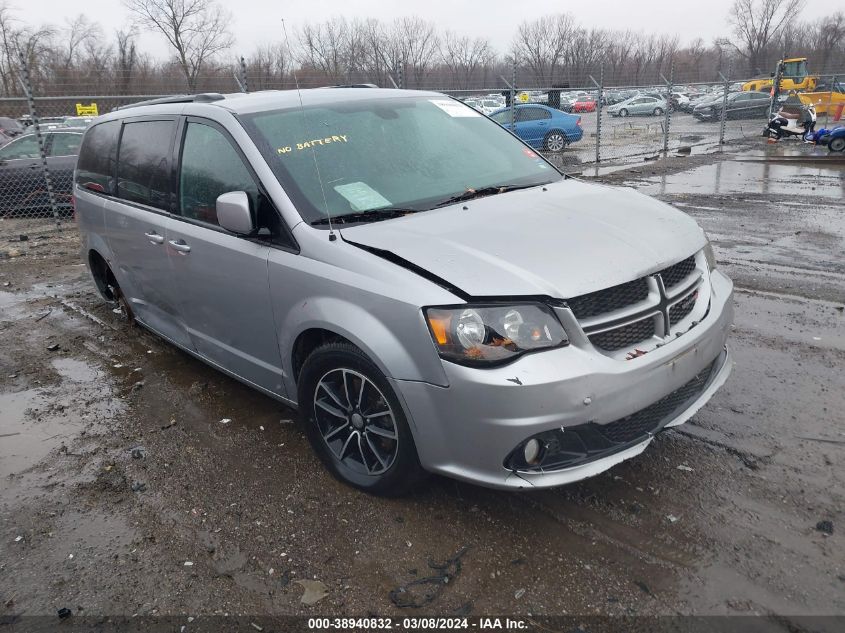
(373, 215)
(470, 194)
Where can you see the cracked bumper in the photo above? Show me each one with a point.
(467, 430)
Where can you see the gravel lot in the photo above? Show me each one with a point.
(740, 511)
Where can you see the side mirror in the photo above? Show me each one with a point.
(233, 212)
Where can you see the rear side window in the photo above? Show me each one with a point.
(210, 167)
(65, 144)
(24, 147)
(95, 166)
(143, 169)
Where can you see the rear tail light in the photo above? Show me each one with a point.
(578, 122)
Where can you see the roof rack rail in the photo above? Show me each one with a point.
(353, 86)
(204, 97)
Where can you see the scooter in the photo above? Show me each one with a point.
(792, 121)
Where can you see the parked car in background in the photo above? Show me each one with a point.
(638, 105)
(10, 128)
(739, 105)
(22, 185)
(543, 128)
(679, 100)
(583, 104)
(77, 121)
(612, 97)
(488, 106)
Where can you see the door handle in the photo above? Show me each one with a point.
(180, 245)
(154, 237)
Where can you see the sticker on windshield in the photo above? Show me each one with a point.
(361, 196)
(454, 108)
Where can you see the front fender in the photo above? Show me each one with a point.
(407, 354)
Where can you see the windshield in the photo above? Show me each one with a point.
(411, 153)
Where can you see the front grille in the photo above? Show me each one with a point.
(576, 445)
(609, 299)
(647, 420)
(676, 273)
(681, 309)
(624, 336)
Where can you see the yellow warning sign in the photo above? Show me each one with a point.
(86, 110)
(523, 97)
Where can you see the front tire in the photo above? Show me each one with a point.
(354, 421)
(555, 141)
(623, 112)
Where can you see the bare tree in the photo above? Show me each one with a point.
(464, 56)
(540, 44)
(268, 66)
(75, 36)
(412, 43)
(756, 24)
(828, 37)
(126, 59)
(196, 29)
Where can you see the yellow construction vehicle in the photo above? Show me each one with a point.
(828, 97)
(793, 76)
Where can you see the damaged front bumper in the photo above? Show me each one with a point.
(594, 411)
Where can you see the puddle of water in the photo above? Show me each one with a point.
(31, 426)
(76, 370)
(24, 440)
(725, 177)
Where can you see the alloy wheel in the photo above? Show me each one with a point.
(356, 422)
(555, 142)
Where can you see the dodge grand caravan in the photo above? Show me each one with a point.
(429, 292)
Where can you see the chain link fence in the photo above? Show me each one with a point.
(615, 120)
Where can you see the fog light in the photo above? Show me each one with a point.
(531, 452)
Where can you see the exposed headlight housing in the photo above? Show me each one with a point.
(710, 256)
(493, 334)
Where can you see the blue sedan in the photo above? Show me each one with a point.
(542, 127)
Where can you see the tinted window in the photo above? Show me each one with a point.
(65, 144)
(532, 114)
(95, 166)
(210, 166)
(24, 147)
(143, 170)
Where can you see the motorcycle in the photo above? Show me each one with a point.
(792, 120)
(833, 138)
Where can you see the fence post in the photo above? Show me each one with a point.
(513, 98)
(599, 96)
(723, 115)
(30, 99)
(244, 83)
(401, 74)
(667, 119)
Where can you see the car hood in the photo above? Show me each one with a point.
(563, 240)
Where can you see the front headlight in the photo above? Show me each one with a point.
(491, 334)
(710, 256)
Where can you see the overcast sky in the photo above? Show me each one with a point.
(259, 21)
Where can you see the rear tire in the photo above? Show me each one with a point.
(555, 141)
(355, 423)
(837, 145)
(658, 111)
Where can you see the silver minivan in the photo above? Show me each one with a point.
(430, 293)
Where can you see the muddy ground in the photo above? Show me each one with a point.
(740, 511)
